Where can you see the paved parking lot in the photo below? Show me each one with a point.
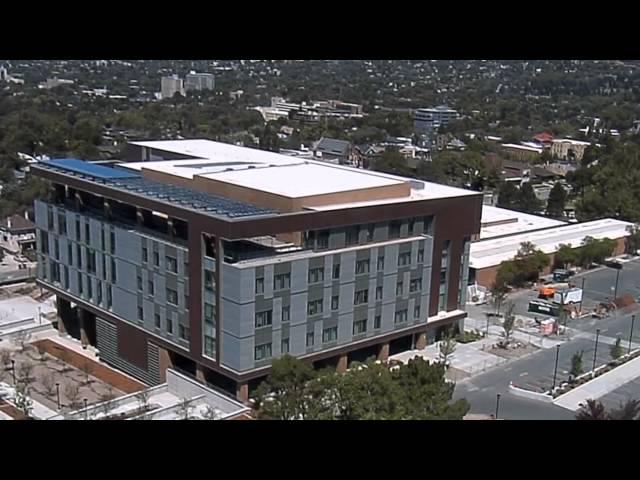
(536, 371)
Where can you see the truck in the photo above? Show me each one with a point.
(545, 308)
(568, 296)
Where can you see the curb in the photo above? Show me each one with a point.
(521, 392)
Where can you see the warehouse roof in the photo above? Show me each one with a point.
(498, 222)
(493, 251)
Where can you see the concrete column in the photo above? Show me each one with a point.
(421, 341)
(242, 391)
(343, 363)
(164, 362)
(83, 319)
(200, 373)
(383, 353)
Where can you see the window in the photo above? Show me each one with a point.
(335, 302)
(104, 266)
(286, 313)
(183, 332)
(156, 320)
(79, 255)
(381, 263)
(112, 241)
(172, 264)
(186, 301)
(114, 276)
(399, 288)
(102, 242)
(360, 297)
(140, 314)
(412, 223)
(65, 271)
(91, 260)
(150, 287)
(145, 254)
(378, 293)
(169, 323)
(428, 225)
(404, 259)
(377, 321)
(139, 283)
(109, 297)
(420, 255)
(329, 334)
(62, 224)
(50, 218)
(370, 229)
(360, 327)
(55, 271)
(394, 229)
(263, 319)
(336, 271)
(401, 316)
(316, 275)
(80, 283)
(314, 307)
(443, 276)
(416, 311)
(284, 346)
(69, 253)
(208, 280)
(322, 241)
(310, 339)
(99, 291)
(415, 285)
(282, 281)
(78, 229)
(351, 235)
(362, 266)
(262, 352)
(87, 233)
(209, 346)
(172, 296)
(259, 286)
(209, 313)
(56, 248)
(156, 259)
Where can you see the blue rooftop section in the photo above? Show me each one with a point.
(87, 168)
(135, 183)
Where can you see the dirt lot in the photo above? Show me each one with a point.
(510, 352)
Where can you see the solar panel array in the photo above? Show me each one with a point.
(173, 194)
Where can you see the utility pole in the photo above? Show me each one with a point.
(633, 319)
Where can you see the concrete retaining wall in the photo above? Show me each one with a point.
(521, 392)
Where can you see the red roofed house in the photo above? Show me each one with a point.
(545, 138)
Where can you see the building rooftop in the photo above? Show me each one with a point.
(493, 251)
(498, 222)
(285, 176)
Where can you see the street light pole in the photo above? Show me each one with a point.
(497, 404)
(633, 319)
(555, 370)
(13, 371)
(595, 351)
(86, 413)
(39, 315)
(615, 294)
(58, 394)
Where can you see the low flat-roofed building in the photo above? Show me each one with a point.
(568, 149)
(500, 222)
(487, 255)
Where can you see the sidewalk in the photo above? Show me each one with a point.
(600, 386)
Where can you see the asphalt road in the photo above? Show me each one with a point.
(536, 370)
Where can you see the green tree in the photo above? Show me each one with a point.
(616, 350)
(527, 200)
(565, 256)
(498, 293)
(447, 347)
(576, 364)
(508, 325)
(592, 410)
(393, 162)
(281, 396)
(507, 195)
(556, 201)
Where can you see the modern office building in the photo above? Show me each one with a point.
(215, 259)
(199, 81)
(169, 86)
(427, 119)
